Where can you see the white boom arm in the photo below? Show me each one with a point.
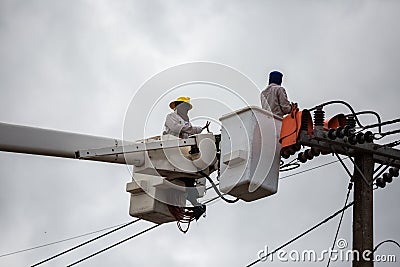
(248, 148)
(45, 142)
(155, 159)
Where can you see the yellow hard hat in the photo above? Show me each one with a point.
(179, 100)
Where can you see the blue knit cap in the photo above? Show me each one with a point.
(275, 77)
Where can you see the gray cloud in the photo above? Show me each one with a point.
(75, 67)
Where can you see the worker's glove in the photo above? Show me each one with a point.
(206, 126)
(293, 110)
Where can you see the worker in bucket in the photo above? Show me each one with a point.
(274, 97)
(177, 123)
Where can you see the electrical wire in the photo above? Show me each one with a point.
(217, 191)
(362, 175)
(310, 169)
(126, 239)
(382, 135)
(373, 113)
(184, 215)
(341, 162)
(85, 243)
(359, 171)
(381, 124)
(206, 202)
(393, 144)
(282, 163)
(79, 236)
(232, 201)
(60, 241)
(322, 222)
(303, 234)
(289, 167)
(114, 245)
(211, 200)
(386, 241)
(287, 176)
(82, 235)
(294, 164)
(381, 172)
(377, 169)
(215, 188)
(211, 187)
(355, 114)
(350, 186)
(343, 103)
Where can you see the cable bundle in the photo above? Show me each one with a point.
(182, 216)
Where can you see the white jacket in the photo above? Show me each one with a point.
(177, 126)
(274, 99)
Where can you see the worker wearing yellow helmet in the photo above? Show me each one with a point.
(177, 123)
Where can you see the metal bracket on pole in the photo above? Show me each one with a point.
(381, 154)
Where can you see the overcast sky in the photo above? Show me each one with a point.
(75, 66)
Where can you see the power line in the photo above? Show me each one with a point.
(210, 200)
(82, 235)
(382, 123)
(294, 174)
(217, 191)
(78, 236)
(60, 241)
(344, 165)
(206, 202)
(393, 144)
(340, 222)
(85, 243)
(386, 241)
(343, 103)
(129, 238)
(381, 172)
(114, 245)
(101, 230)
(310, 169)
(389, 133)
(303, 234)
(375, 114)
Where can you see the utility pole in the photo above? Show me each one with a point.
(342, 140)
(363, 210)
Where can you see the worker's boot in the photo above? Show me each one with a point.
(198, 211)
(192, 195)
